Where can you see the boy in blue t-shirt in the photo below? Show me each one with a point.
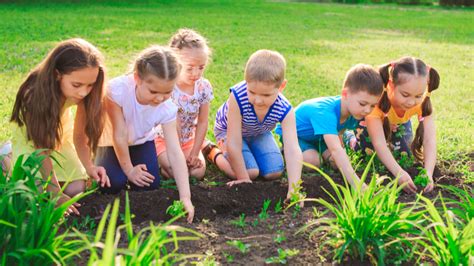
(321, 121)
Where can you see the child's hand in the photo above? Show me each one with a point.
(239, 181)
(189, 208)
(98, 174)
(193, 162)
(353, 142)
(72, 209)
(430, 185)
(139, 176)
(405, 179)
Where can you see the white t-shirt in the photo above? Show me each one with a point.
(141, 120)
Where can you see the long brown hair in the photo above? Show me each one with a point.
(39, 100)
(394, 71)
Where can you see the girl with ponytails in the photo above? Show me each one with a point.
(408, 85)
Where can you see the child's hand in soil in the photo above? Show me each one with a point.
(430, 185)
(239, 181)
(139, 176)
(407, 182)
(72, 209)
(189, 208)
(98, 174)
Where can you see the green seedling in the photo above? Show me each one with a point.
(87, 224)
(241, 246)
(255, 222)
(280, 237)
(278, 206)
(169, 183)
(405, 160)
(176, 209)
(421, 179)
(283, 255)
(240, 222)
(264, 213)
(295, 197)
(228, 257)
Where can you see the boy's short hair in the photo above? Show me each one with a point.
(363, 77)
(266, 66)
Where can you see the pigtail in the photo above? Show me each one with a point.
(384, 103)
(426, 110)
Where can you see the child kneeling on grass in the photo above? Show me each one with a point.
(136, 105)
(244, 123)
(321, 121)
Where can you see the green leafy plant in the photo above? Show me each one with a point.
(155, 244)
(280, 237)
(278, 206)
(463, 204)
(421, 179)
(255, 222)
(263, 215)
(176, 209)
(405, 160)
(283, 255)
(241, 246)
(370, 224)
(228, 257)
(443, 242)
(240, 222)
(30, 217)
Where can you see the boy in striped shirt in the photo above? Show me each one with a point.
(244, 123)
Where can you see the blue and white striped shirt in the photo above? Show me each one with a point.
(250, 124)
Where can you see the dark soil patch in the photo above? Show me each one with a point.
(217, 206)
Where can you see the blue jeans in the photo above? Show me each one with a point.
(140, 154)
(262, 152)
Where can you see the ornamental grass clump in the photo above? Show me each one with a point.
(367, 223)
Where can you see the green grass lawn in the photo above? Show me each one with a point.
(320, 42)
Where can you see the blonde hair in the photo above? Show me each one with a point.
(266, 66)
(158, 61)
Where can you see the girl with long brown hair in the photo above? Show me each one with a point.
(72, 74)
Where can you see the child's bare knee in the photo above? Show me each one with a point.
(75, 187)
(198, 173)
(272, 176)
(253, 173)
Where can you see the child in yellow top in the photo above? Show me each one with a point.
(71, 74)
(408, 86)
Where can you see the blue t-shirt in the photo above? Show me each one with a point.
(318, 117)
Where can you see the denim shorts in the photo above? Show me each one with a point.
(262, 152)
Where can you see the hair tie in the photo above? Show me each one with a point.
(385, 114)
(428, 68)
(421, 118)
(428, 94)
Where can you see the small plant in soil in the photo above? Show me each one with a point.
(280, 237)
(87, 224)
(278, 206)
(296, 197)
(255, 222)
(241, 246)
(421, 179)
(264, 213)
(228, 257)
(176, 209)
(240, 222)
(405, 160)
(283, 255)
